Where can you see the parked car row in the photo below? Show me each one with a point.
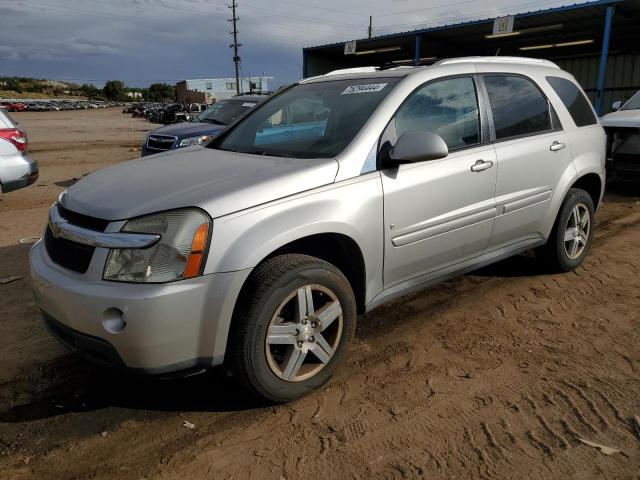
(53, 105)
(165, 113)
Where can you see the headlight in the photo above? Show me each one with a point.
(188, 142)
(177, 255)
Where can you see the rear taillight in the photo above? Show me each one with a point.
(15, 136)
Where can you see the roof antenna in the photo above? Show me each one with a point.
(498, 52)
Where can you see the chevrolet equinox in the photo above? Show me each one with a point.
(259, 249)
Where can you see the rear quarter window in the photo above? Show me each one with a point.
(575, 101)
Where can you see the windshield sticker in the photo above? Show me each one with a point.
(369, 88)
(248, 104)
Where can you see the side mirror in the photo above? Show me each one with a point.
(616, 105)
(418, 147)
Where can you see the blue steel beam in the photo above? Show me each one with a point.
(602, 70)
(416, 61)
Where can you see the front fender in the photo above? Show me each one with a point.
(352, 208)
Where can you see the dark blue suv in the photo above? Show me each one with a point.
(202, 128)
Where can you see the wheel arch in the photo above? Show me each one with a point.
(339, 249)
(592, 184)
(588, 180)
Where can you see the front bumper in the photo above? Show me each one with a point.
(144, 150)
(623, 152)
(168, 327)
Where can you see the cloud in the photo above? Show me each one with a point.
(145, 41)
(85, 46)
(8, 53)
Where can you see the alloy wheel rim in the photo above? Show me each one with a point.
(304, 333)
(576, 232)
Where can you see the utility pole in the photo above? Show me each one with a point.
(370, 25)
(235, 45)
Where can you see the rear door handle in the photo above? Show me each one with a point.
(481, 165)
(555, 146)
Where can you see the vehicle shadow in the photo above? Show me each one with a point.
(66, 183)
(83, 388)
(524, 265)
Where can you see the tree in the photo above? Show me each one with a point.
(158, 92)
(114, 90)
(89, 91)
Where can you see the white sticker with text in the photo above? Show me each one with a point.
(248, 104)
(369, 88)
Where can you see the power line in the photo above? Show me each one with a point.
(306, 30)
(333, 10)
(433, 7)
(303, 17)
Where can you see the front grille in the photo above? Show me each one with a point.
(68, 254)
(161, 142)
(84, 221)
(72, 255)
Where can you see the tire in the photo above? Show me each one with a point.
(557, 253)
(269, 336)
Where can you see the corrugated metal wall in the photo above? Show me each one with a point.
(622, 80)
(318, 64)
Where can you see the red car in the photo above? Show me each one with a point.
(13, 106)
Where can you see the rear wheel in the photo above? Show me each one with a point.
(572, 233)
(294, 320)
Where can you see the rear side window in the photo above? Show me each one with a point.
(518, 106)
(574, 100)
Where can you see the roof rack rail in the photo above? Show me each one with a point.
(537, 61)
(352, 70)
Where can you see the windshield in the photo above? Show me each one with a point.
(313, 120)
(633, 103)
(225, 111)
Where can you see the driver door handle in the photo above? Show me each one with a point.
(555, 146)
(481, 165)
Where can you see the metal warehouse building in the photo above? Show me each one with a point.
(598, 42)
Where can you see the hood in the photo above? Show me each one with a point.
(219, 182)
(189, 129)
(621, 118)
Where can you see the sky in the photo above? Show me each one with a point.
(146, 41)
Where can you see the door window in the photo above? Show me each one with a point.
(518, 106)
(446, 107)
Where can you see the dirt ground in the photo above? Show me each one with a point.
(496, 374)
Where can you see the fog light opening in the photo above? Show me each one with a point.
(113, 320)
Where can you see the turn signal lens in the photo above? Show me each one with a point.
(198, 247)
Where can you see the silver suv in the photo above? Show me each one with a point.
(336, 195)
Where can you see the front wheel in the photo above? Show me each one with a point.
(294, 320)
(572, 233)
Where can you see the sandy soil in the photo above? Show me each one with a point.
(497, 374)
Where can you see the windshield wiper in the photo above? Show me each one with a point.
(266, 154)
(211, 120)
